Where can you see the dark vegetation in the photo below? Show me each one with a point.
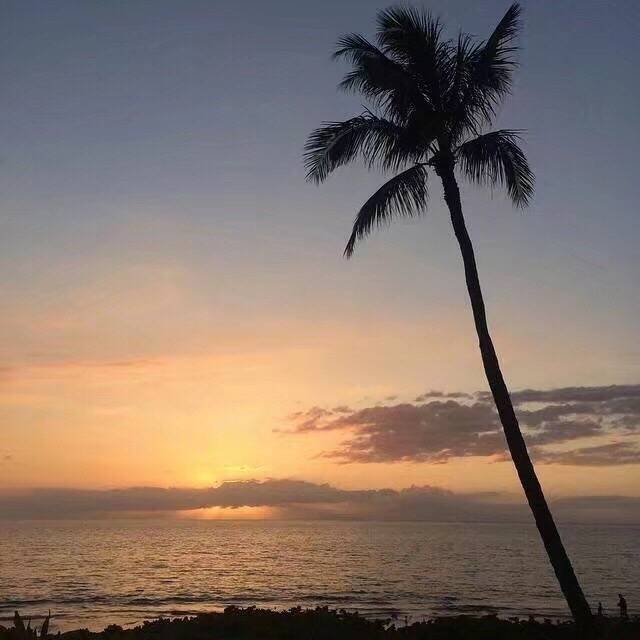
(325, 624)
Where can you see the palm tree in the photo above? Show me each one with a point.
(431, 100)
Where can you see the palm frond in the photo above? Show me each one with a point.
(495, 158)
(499, 47)
(384, 81)
(405, 194)
(335, 144)
(355, 48)
(496, 62)
(413, 38)
(461, 68)
(489, 71)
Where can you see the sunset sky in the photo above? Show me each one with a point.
(176, 310)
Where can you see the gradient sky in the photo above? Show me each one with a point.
(172, 289)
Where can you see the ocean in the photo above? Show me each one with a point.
(94, 573)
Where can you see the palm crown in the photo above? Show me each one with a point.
(431, 100)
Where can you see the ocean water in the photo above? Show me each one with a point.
(94, 573)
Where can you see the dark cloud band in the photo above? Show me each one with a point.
(294, 499)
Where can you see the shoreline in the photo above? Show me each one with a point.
(96, 621)
(331, 624)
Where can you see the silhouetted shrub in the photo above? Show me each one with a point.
(326, 624)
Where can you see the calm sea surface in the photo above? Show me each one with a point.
(91, 574)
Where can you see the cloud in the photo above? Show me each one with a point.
(342, 409)
(311, 419)
(280, 493)
(604, 509)
(250, 493)
(433, 432)
(440, 426)
(442, 394)
(614, 453)
(578, 394)
(293, 499)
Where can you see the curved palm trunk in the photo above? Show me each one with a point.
(532, 489)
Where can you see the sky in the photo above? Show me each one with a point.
(176, 310)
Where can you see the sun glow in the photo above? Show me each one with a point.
(227, 513)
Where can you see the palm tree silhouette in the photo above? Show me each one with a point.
(431, 100)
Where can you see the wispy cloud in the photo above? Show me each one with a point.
(614, 453)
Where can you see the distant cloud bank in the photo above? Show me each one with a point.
(587, 426)
(296, 499)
